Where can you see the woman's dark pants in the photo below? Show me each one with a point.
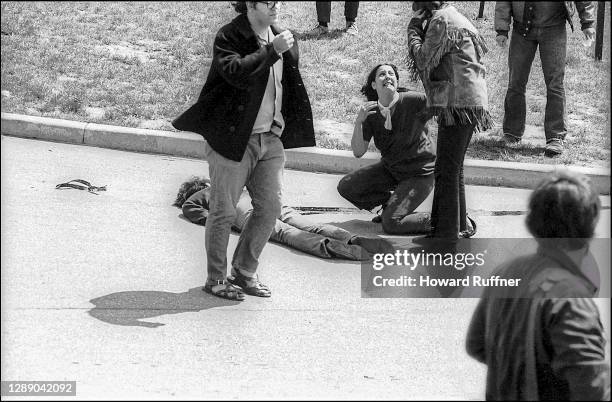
(449, 213)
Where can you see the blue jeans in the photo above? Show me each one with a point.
(261, 170)
(552, 42)
(374, 185)
(295, 231)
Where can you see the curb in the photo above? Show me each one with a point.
(311, 159)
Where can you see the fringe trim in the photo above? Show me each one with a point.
(453, 39)
(449, 116)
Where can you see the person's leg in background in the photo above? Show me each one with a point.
(323, 18)
(399, 216)
(553, 49)
(520, 57)
(351, 9)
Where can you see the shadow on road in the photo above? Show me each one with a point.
(131, 307)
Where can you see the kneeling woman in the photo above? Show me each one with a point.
(404, 177)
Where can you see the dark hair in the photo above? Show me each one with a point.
(565, 207)
(190, 187)
(240, 6)
(367, 90)
(428, 5)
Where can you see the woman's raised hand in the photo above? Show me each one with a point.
(365, 110)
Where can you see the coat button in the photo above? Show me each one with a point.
(240, 108)
(232, 129)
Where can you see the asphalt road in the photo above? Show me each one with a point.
(105, 290)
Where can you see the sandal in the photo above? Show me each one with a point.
(229, 292)
(250, 286)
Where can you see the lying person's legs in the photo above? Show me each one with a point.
(399, 217)
(316, 244)
(293, 230)
(292, 217)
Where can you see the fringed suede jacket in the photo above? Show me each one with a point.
(446, 57)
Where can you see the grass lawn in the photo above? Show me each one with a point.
(140, 64)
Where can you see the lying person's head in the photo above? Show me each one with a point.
(188, 188)
(383, 77)
(564, 207)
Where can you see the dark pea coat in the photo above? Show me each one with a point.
(230, 99)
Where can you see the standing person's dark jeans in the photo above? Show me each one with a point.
(324, 11)
(448, 212)
(552, 43)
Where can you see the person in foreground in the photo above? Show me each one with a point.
(543, 340)
(291, 228)
(403, 178)
(445, 52)
(253, 106)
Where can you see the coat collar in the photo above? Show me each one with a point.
(586, 269)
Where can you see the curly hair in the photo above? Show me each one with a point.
(188, 188)
(239, 6)
(368, 91)
(564, 207)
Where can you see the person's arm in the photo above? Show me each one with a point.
(576, 336)
(503, 17)
(238, 70)
(359, 144)
(195, 208)
(502, 20)
(425, 49)
(586, 12)
(475, 339)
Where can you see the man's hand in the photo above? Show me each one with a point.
(501, 40)
(365, 110)
(589, 33)
(417, 19)
(283, 41)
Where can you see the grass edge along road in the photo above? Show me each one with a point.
(140, 64)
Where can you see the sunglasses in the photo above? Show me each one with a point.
(270, 4)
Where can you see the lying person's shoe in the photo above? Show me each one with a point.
(378, 217)
(228, 291)
(348, 251)
(554, 147)
(250, 286)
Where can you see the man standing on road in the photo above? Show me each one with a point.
(539, 24)
(543, 340)
(252, 106)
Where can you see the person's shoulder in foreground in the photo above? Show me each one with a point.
(544, 339)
